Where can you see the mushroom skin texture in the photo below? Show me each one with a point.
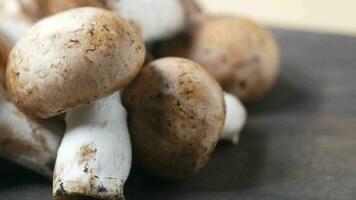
(240, 54)
(235, 120)
(176, 115)
(13, 22)
(157, 19)
(28, 142)
(87, 57)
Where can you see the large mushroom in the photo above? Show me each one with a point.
(176, 114)
(157, 19)
(240, 54)
(28, 142)
(78, 61)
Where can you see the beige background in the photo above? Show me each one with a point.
(335, 16)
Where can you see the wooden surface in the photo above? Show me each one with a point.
(299, 142)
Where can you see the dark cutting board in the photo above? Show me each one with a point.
(299, 142)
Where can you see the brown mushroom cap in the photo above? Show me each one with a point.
(71, 59)
(176, 114)
(240, 54)
(4, 52)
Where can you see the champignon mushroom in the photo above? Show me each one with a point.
(28, 142)
(176, 115)
(13, 23)
(157, 19)
(240, 54)
(78, 61)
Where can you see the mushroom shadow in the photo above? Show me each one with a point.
(231, 169)
(13, 175)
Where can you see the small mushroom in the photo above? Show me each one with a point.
(176, 115)
(78, 61)
(28, 142)
(13, 23)
(157, 19)
(240, 54)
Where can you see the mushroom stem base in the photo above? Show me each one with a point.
(94, 158)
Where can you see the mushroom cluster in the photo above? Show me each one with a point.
(129, 80)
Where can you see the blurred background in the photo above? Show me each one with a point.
(312, 15)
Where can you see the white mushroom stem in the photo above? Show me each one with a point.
(235, 119)
(157, 19)
(94, 158)
(26, 141)
(13, 24)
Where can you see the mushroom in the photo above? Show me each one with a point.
(78, 61)
(240, 54)
(28, 142)
(157, 19)
(13, 23)
(176, 114)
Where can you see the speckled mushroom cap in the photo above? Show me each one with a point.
(3, 58)
(239, 53)
(176, 114)
(71, 59)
